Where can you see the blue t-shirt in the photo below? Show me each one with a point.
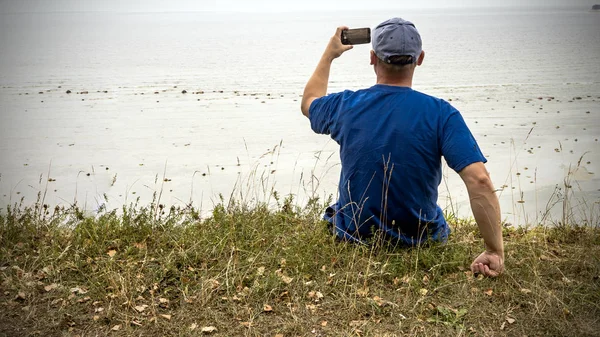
(391, 142)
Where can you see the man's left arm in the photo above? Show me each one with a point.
(317, 84)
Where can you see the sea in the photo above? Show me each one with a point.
(110, 109)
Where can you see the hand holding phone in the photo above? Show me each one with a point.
(356, 36)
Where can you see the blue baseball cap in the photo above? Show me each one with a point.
(396, 37)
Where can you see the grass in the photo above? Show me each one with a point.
(258, 270)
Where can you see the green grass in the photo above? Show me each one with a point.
(253, 270)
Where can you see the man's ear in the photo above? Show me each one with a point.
(374, 58)
(421, 58)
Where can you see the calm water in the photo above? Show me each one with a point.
(527, 82)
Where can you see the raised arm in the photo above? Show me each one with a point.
(486, 210)
(317, 84)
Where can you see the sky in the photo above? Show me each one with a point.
(19, 6)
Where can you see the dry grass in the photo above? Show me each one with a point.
(267, 271)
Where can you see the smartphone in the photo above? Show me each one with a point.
(356, 36)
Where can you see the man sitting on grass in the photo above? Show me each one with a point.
(391, 141)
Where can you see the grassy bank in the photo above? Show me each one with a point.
(265, 271)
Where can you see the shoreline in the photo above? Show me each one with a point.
(107, 145)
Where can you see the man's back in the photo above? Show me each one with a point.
(391, 142)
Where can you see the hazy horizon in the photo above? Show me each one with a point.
(273, 6)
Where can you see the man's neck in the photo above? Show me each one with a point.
(398, 81)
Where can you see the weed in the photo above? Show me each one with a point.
(272, 268)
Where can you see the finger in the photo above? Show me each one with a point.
(482, 269)
(339, 30)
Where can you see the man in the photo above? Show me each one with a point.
(391, 141)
